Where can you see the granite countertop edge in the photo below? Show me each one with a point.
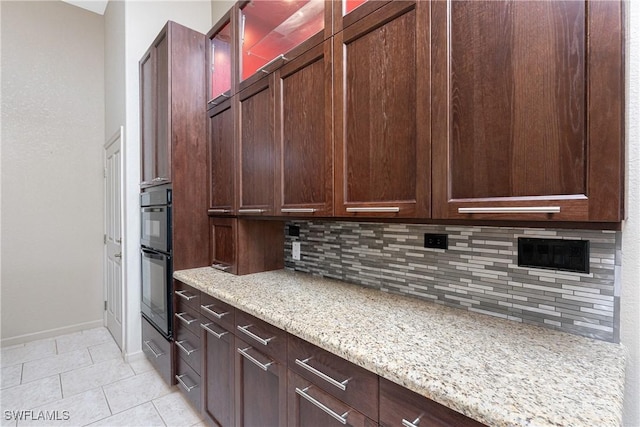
(409, 343)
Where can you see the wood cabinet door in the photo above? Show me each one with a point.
(222, 144)
(304, 148)
(382, 114)
(402, 407)
(310, 406)
(261, 388)
(527, 110)
(218, 378)
(155, 114)
(256, 149)
(147, 117)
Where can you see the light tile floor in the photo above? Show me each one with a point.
(81, 379)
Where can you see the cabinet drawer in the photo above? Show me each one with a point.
(308, 405)
(352, 384)
(261, 335)
(158, 350)
(400, 406)
(189, 348)
(217, 311)
(187, 317)
(189, 383)
(187, 295)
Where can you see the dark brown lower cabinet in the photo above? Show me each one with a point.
(158, 351)
(311, 406)
(402, 407)
(189, 383)
(219, 374)
(261, 388)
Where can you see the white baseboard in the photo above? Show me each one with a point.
(50, 333)
(130, 357)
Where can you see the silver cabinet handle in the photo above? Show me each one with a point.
(181, 317)
(183, 348)
(375, 209)
(341, 418)
(415, 423)
(510, 209)
(215, 211)
(245, 330)
(263, 366)
(303, 363)
(159, 179)
(118, 255)
(251, 211)
(205, 326)
(208, 309)
(220, 266)
(155, 354)
(184, 295)
(298, 210)
(265, 66)
(182, 383)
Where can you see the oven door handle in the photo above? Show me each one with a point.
(145, 210)
(153, 254)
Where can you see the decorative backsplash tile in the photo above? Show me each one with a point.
(478, 272)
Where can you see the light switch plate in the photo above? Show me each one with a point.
(295, 251)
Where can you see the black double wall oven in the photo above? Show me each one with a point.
(155, 247)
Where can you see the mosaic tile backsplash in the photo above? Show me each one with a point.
(478, 272)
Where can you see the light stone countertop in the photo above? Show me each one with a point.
(499, 372)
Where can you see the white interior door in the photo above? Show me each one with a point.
(113, 272)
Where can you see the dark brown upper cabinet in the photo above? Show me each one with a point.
(528, 106)
(220, 61)
(222, 158)
(155, 113)
(382, 114)
(256, 149)
(272, 33)
(304, 135)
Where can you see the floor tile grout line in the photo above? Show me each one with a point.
(158, 412)
(107, 400)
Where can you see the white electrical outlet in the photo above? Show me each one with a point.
(295, 251)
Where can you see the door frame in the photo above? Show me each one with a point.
(117, 136)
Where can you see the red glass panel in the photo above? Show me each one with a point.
(349, 5)
(220, 55)
(272, 28)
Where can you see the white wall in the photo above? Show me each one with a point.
(53, 131)
(630, 298)
(143, 22)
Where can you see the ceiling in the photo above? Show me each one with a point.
(96, 6)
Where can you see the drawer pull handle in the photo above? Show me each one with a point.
(375, 209)
(303, 363)
(211, 331)
(219, 211)
(415, 423)
(208, 309)
(245, 330)
(274, 60)
(263, 366)
(341, 418)
(183, 348)
(186, 321)
(298, 210)
(182, 383)
(510, 209)
(251, 211)
(184, 295)
(155, 354)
